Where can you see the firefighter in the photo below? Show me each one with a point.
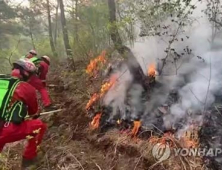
(44, 68)
(18, 98)
(39, 80)
(32, 53)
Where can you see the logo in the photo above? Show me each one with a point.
(30, 66)
(161, 152)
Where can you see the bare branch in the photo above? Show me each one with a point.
(217, 22)
(208, 88)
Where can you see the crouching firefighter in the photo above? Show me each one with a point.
(18, 99)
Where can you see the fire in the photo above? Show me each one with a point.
(187, 140)
(96, 120)
(93, 66)
(118, 121)
(190, 139)
(167, 138)
(135, 130)
(92, 100)
(105, 87)
(187, 143)
(151, 70)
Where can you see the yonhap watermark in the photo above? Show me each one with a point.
(162, 152)
(197, 152)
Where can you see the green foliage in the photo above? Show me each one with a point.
(43, 47)
(26, 27)
(92, 32)
(8, 25)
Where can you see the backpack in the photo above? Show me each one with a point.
(11, 112)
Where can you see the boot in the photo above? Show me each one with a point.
(27, 162)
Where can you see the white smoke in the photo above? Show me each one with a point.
(204, 78)
(116, 96)
(197, 82)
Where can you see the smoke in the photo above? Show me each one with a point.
(197, 82)
(116, 96)
(196, 79)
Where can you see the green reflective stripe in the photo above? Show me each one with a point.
(4, 84)
(20, 103)
(35, 60)
(12, 111)
(9, 96)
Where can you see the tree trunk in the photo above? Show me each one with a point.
(56, 23)
(50, 30)
(31, 36)
(113, 29)
(31, 4)
(76, 21)
(66, 37)
(132, 63)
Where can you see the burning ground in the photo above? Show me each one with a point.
(146, 109)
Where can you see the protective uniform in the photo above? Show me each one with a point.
(40, 86)
(38, 80)
(17, 99)
(43, 70)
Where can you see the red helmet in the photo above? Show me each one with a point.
(46, 58)
(33, 52)
(26, 64)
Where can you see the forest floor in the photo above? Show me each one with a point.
(70, 145)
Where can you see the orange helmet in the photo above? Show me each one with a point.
(46, 58)
(33, 52)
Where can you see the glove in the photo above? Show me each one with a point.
(36, 116)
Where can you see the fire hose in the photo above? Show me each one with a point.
(45, 113)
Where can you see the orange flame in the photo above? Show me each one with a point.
(118, 121)
(151, 70)
(96, 121)
(135, 130)
(167, 138)
(92, 100)
(190, 138)
(187, 143)
(104, 89)
(93, 66)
